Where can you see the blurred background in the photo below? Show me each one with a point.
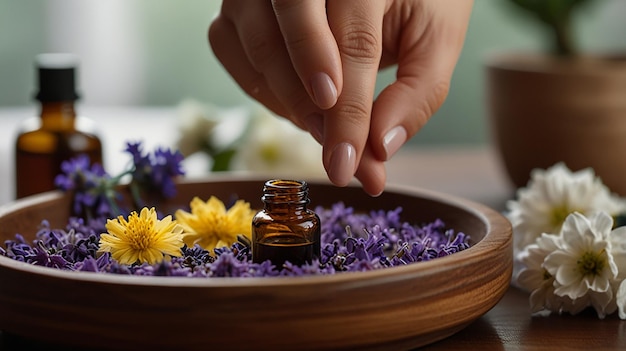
(155, 53)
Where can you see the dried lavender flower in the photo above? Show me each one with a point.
(351, 242)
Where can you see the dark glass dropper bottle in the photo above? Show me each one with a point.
(56, 137)
(285, 230)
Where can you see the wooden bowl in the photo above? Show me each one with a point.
(393, 308)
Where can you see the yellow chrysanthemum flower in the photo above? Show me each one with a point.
(142, 238)
(210, 225)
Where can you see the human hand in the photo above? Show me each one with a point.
(315, 62)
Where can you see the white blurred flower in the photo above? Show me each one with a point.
(196, 123)
(551, 196)
(246, 139)
(205, 126)
(276, 146)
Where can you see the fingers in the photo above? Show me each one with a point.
(371, 170)
(426, 59)
(248, 42)
(312, 48)
(229, 51)
(357, 26)
(304, 73)
(315, 62)
(371, 173)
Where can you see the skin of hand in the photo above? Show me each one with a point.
(315, 62)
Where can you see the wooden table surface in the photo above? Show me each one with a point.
(510, 326)
(475, 174)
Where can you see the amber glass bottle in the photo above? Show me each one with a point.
(285, 230)
(56, 136)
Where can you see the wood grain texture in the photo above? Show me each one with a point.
(511, 326)
(397, 308)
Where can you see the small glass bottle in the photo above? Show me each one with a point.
(56, 136)
(285, 230)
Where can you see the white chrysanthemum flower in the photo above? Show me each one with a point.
(582, 265)
(276, 145)
(551, 195)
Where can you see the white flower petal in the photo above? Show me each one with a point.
(575, 228)
(557, 261)
(575, 306)
(574, 291)
(618, 240)
(530, 279)
(540, 298)
(597, 283)
(621, 300)
(602, 222)
(567, 274)
(603, 303)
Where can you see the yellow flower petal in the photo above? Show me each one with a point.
(211, 225)
(142, 238)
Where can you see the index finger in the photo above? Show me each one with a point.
(312, 48)
(357, 26)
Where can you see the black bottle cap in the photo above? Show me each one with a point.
(56, 77)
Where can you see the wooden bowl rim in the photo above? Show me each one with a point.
(494, 238)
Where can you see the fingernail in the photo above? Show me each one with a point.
(342, 164)
(376, 194)
(324, 90)
(393, 140)
(314, 123)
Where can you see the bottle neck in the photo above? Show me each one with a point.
(58, 115)
(289, 196)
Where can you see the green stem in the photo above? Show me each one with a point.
(563, 43)
(136, 195)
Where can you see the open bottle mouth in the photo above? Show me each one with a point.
(280, 191)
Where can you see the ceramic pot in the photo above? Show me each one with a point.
(545, 110)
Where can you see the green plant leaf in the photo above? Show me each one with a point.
(557, 16)
(221, 160)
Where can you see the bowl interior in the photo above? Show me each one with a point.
(418, 206)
